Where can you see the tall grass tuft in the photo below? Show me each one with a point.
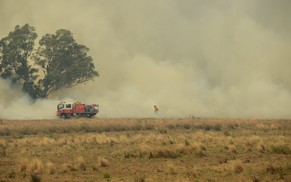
(23, 165)
(253, 141)
(80, 163)
(68, 166)
(35, 166)
(232, 149)
(103, 162)
(50, 167)
(236, 166)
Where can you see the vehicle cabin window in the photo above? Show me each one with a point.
(60, 106)
(68, 105)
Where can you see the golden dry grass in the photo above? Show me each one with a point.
(51, 169)
(103, 162)
(145, 150)
(35, 166)
(236, 166)
(80, 163)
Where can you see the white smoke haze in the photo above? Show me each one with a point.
(193, 57)
(17, 105)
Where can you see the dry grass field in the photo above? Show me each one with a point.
(146, 149)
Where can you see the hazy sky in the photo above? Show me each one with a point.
(208, 58)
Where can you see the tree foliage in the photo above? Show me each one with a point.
(64, 62)
(16, 50)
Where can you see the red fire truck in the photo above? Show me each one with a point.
(78, 109)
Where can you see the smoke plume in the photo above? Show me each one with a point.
(192, 57)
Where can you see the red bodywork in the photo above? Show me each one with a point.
(78, 109)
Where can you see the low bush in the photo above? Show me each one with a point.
(272, 169)
(280, 149)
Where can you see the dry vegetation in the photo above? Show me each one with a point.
(145, 150)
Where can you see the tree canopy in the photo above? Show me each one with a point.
(15, 51)
(64, 62)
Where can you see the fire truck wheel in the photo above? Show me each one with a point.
(64, 116)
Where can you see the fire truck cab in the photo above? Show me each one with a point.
(78, 109)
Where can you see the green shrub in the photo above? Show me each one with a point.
(280, 150)
(106, 176)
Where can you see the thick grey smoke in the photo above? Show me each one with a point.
(192, 57)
